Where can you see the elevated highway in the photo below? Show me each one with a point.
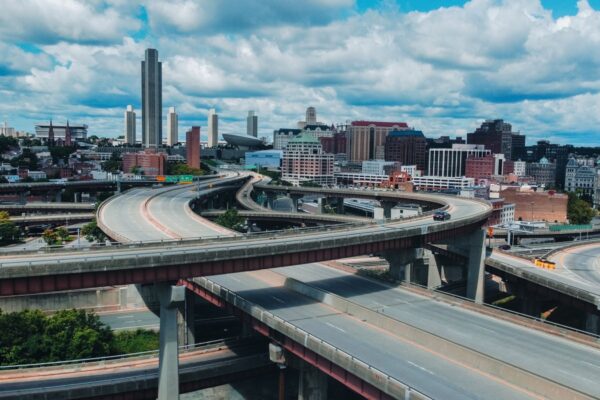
(176, 259)
(53, 219)
(401, 344)
(47, 208)
(136, 377)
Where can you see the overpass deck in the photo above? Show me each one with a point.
(135, 377)
(561, 279)
(431, 371)
(159, 214)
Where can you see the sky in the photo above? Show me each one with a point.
(441, 66)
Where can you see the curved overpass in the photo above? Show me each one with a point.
(175, 259)
(161, 214)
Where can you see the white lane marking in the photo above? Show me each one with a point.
(335, 327)
(124, 316)
(278, 299)
(421, 368)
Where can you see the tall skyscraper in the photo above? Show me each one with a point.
(151, 100)
(252, 124)
(496, 135)
(366, 139)
(129, 132)
(192, 146)
(213, 128)
(172, 127)
(311, 116)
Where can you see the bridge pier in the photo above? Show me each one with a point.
(58, 196)
(434, 272)
(592, 322)
(118, 187)
(339, 205)
(271, 197)
(312, 384)
(295, 198)
(476, 266)
(186, 334)
(402, 262)
(387, 206)
(168, 356)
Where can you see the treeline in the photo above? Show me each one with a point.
(30, 337)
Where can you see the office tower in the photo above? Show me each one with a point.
(407, 147)
(518, 147)
(213, 128)
(172, 127)
(192, 146)
(366, 139)
(495, 135)
(304, 161)
(311, 116)
(452, 162)
(151, 100)
(129, 125)
(252, 124)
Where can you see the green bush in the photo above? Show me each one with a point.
(29, 337)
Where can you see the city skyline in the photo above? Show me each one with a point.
(403, 67)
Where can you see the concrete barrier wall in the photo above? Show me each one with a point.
(481, 362)
(378, 379)
(101, 299)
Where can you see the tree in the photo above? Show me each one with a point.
(113, 164)
(50, 237)
(183, 169)
(61, 153)
(231, 219)
(27, 160)
(578, 210)
(62, 233)
(92, 232)
(9, 232)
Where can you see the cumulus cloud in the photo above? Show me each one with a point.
(207, 16)
(50, 21)
(442, 71)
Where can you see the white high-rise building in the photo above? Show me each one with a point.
(172, 127)
(311, 116)
(252, 124)
(452, 162)
(129, 133)
(213, 128)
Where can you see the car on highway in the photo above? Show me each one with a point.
(441, 216)
(504, 247)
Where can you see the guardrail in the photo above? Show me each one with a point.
(142, 354)
(354, 365)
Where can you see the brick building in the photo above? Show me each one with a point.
(148, 162)
(536, 206)
(366, 139)
(407, 147)
(192, 147)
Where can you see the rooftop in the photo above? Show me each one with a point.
(381, 124)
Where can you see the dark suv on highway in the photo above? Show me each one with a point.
(441, 216)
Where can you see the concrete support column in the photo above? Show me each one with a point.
(295, 198)
(58, 196)
(185, 320)
(592, 322)
(168, 356)
(23, 197)
(476, 267)
(402, 261)
(387, 207)
(77, 197)
(434, 278)
(271, 197)
(312, 383)
(339, 205)
(118, 187)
